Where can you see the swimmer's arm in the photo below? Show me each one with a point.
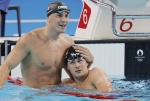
(71, 42)
(13, 59)
(100, 80)
(69, 73)
(85, 53)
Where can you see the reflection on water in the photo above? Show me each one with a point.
(134, 88)
(123, 90)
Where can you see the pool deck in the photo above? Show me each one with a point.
(2, 39)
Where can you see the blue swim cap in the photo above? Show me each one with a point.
(71, 54)
(57, 7)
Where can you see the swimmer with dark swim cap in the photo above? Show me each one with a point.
(57, 7)
(83, 77)
(71, 55)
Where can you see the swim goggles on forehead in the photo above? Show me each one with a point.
(74, 56)
(60, 11)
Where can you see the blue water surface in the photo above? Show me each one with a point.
(123, 90)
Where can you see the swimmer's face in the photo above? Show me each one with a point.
(78, 67)
(58, 21)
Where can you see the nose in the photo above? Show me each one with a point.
(64, 19)
(77, 65)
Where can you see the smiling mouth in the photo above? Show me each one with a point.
(62, 25)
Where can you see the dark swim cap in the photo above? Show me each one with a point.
(57, 7)
(71, 54)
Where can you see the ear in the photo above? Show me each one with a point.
(68, 68)
(47, 21)
(87, 63)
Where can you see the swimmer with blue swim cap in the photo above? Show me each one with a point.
(57, 7)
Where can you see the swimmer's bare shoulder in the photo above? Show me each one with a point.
(31, 38)
(67, 38)
(68, 81)
(99, 78)
(97, 73)
(20, 50)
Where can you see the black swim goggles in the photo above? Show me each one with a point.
(73, 56)
(59, 11)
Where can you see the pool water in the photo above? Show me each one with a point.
(135, 90)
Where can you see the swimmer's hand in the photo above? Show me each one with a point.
(16, 81)
(84, 52)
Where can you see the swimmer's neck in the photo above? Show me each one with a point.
(80, 80)
(50, 34)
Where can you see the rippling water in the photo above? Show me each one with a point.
(123, 91)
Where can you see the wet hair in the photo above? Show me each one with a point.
(57, 7)
(71, 54)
